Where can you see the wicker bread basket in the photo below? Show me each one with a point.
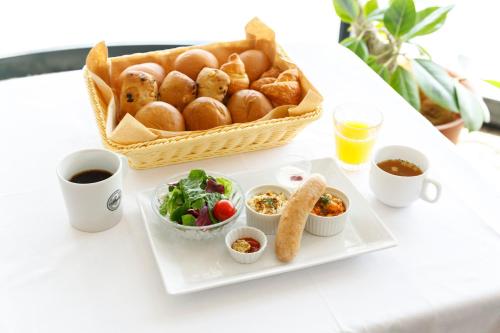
(191, 146)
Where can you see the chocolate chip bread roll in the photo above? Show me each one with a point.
(137, 90)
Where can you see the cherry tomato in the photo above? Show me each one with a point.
(223, 210)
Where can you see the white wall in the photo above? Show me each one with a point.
(34, 25)
(472, 29)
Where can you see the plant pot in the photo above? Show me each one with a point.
(447, 122)
(452, 129)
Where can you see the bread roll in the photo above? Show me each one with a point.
(162, 116)
(256, 63)
(148, 67)
(137, 90)
(212, 83)
(294, 216)
(271, 72)
(178, 90)
(235, 68)
(193, 61)
(248, 105)
(257, 84)
(204, 113)
(285, 90)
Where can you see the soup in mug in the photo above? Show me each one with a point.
(400, 168)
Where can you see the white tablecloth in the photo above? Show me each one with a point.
(443, 277)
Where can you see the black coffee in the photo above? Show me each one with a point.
(90, 176)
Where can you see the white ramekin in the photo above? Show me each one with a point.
(329, 225)
(246, 258)
(267, 223)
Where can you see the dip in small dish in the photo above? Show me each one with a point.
(246, 244)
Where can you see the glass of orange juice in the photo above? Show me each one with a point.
(356, 127)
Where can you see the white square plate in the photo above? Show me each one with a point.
(187, 266)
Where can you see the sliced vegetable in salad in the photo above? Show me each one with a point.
(193, 201)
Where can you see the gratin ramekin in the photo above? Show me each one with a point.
(266, 223)
(246, 258)
(329, 225)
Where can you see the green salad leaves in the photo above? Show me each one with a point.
(191, 200)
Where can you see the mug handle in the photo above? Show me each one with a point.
(427, 183)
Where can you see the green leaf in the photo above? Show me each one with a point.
(428, 20)
(494, 83)
(228, 185)
(347, 10)
(164, 207)
(212, 217)
(197, 175)
(176, 215)
(400, 17)
(357, 46)
(376, 15)
(171, 202)
(471, 109)
(188, 219)
(198, 203)
(435, 83)
(404, 83)
(370, 6)
(191, 190)
(423, 51)
(378, 68)
(212, 198)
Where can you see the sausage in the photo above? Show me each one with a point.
(294, 217)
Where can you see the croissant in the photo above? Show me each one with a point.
(257, 85)
(271, 72)
(235, 68)
(288, 75)
(285, 90)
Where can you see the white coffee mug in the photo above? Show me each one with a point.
(92, 207)
(401, 191)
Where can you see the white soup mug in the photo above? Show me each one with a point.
(401, 191)
(92, 207)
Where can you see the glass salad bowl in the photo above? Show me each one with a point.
(236, 197)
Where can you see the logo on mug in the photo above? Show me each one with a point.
(114, 200)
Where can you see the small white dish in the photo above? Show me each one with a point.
(265, 222)
(329, 225)
(241, 232)
(294, 170)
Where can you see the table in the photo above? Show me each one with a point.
(443, 277)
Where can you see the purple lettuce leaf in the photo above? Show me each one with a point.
(194, 212)
(203, 219)
(213, 186)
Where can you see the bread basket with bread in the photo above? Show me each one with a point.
(197, 102)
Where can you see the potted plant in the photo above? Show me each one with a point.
(384, 39)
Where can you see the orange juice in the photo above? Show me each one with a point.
(354, 141)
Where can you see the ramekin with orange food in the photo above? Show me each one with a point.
(330, 213)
